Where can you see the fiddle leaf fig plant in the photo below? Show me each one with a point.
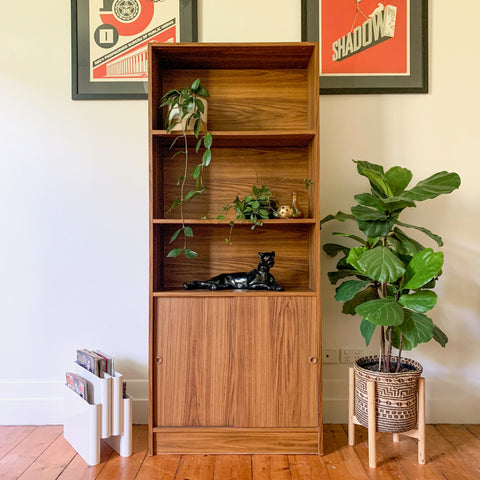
(184, 109)
(387, 277)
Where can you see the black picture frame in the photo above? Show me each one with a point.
(82, 87)
(416, 82)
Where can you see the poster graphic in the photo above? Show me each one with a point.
(119, 33)
(365, 37)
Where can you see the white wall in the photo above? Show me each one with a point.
(74, 205)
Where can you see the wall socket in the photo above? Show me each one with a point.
(350, 355)
(330, 355)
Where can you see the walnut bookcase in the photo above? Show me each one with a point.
(231, 371)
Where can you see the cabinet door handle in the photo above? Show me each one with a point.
(158, 360)
(313, 359)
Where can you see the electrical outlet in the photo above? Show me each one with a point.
(330, 355)
(350, 355)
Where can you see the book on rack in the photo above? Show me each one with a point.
(77, 383)
(107, 364)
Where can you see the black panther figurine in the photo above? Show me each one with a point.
(259, 278)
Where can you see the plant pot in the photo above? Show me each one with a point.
(176, 114)
(396, 394)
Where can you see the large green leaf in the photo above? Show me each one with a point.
(385, 311)
(382, 265)
(369, 200)
(332, 249)
(433, 236)
(365, 213)
(406, 343)
(377, 178)
(374, 229)
(417, 327)
(349, 235)
(347, 290)
(408, 246)
(340, 216)
(431, 187)
(354, 255)
(362, 297)
(421, 301)
(366, 329)
(439, 336)
(398, 179)
(422, 268)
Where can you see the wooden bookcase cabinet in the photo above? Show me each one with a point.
(237, 372)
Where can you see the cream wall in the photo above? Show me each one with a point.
(74, 205)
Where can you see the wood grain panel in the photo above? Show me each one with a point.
(250, 99)
(236, 440)
(291, 247)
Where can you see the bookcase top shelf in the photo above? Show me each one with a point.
(266, 222)
(233, 55)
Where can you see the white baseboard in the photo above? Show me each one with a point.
(41, 402)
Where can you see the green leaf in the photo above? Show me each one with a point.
(176, 202)
(377, 178)
(354, 255)
(398, 178)
(188, 232)
(332, 249)
(366, 329)
(417, 327)
(374, 229)
(199, 105)
(190, 253)
(175, 235)
(407, 344)
(424, 230)
(362, 297)
(340, 216)
(438, 184)
(353, 237)
(207, 140)
(334, 277)
(422, 268)
(369, 200)
(439, 336)
(196, 171)
(408, 246)
(384, 311)
(365, 213)
(196, 128)
(421, 301)
(382, 265)
(207, 157)
(191, 194)
(199, 144)
(175, 252)
(195, 85)
(347, 290)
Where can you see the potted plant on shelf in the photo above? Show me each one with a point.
(387, 278)
(186, 113)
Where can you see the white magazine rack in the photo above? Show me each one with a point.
(105, 414)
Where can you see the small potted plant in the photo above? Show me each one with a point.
(186, 113)
(387, 278)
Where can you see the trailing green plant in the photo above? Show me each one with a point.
(184, 106)
(388, 277)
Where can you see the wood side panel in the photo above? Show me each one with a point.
(236, 440)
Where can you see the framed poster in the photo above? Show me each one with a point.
(367, 46)
(109, 43)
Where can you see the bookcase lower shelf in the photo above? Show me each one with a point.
(236, 440)
(108, 417)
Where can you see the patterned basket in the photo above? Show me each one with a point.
(397, 393)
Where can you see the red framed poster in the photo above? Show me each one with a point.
(110, 38)
(367, 46)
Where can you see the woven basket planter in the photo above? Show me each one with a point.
(396, 395)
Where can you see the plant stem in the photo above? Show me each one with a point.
(182, 186)
(399, 353)
(389, 348)
(382, 346)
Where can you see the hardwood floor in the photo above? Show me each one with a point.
(41, 453)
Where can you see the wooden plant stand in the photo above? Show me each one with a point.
(418, 433)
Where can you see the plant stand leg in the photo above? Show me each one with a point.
(351, 407)
(419, 432)
(372, 425)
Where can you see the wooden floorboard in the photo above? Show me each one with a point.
(41, 453)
